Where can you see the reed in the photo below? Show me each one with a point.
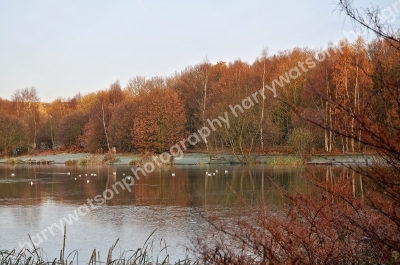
(285, 161)
(141, 256)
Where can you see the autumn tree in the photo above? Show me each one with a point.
(87, 102)
(231, 96)
(122, 124)
(115, 94)
(7, 107)
(12, 134)
(101, 107)
(265, 70)
(186, 85)
(320, 86)
(27, 103)
(142, 85)
(203, 76)
(385, 97)
(289, 78)
(52, 114)
(71, 129)
(159, 122)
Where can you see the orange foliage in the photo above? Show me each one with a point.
(159, 122)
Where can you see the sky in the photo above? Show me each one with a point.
(66, 47)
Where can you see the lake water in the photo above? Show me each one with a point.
(168, 204)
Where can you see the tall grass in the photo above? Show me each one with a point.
(288, 160)
(94, 160)
(141, 256)
(13, 161)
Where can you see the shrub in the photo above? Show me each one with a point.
(13, 161)
(70, 162)
(300, 141)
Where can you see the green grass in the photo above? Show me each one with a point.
(141, 256)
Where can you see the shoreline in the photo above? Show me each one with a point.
(195, 158)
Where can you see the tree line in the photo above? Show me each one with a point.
(151, 114)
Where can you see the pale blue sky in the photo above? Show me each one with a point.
(66, 47)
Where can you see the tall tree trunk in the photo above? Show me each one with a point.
(326, 113)
(262, 109)
(204, 110)
(103, 121)
(205, 76)
(330, 131)
(354, 112)
(52, 136)
(34, 131)
(359, 111)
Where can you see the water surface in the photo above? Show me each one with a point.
(40, 197)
